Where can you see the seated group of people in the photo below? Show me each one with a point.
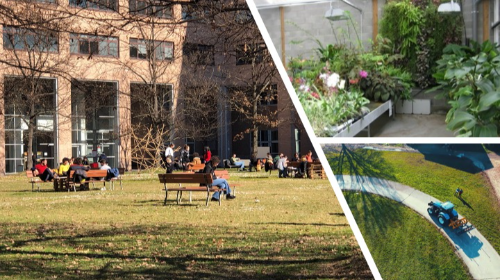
(47, 174)
(281, 161)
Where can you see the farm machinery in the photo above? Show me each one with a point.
(448, 216)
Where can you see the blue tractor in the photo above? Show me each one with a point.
(444, 211)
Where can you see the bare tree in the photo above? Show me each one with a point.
(30, 60)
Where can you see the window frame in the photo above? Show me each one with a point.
(151, 10)
(8, 43)
(202, 50)
(246, 52)
(162, 45)
(92, 39)
(96, 5)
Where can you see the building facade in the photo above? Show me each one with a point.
(76, 76)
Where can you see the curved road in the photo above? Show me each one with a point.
(477, 253)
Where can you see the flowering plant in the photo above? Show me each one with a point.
(328, 103)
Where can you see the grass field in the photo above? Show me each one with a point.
(274, 229)
(479, 204)
(403, 244)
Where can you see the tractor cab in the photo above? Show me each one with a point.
(444, 210)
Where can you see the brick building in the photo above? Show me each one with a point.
(87, 61)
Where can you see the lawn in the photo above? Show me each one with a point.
(274, 229)
(479, 204)
(403, 244)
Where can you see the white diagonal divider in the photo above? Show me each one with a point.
(316, 145)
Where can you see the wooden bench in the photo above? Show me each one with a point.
(96, 175)
(196, 167)
(34, 180)
(227, 164)
(224, 174)
(188, 178)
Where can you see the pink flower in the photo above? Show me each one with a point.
(363, 74)
(315, 95)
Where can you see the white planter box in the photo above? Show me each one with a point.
(404, 107)
(416, 106)
(422, 106)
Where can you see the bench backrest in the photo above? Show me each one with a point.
(91, 173)
(224, 174)
(30, 175)
(196, 167)
(196, 178)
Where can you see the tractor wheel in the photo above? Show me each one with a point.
(431, 211)
(442, 220)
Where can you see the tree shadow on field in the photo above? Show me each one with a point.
(360, 162)
(374, 214)
(304, 224)
(171, 251)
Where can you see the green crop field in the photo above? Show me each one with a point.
(274, 229)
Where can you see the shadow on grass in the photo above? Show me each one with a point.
(470, 244)
(304, 224)
(373, 213)
(471, 158)
(465, 203)
(173, 251)
(361, 162)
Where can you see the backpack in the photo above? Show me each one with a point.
(113, 172)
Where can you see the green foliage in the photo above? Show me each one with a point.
(470, 78)
(419, 33)
(401, 24)
(403, 245)
(439, 181)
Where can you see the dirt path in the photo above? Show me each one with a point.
(494, 173)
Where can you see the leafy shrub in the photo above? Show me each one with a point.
(470, 77)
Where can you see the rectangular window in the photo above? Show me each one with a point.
(247, 53)
(145, 97)
(145, 49)
(269, 95)
(107, 5)
(269, 138)
(156, 8)
(15, 38)
(199, 54)
(93, 45)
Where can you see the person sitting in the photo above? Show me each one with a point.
(64, 167)
(43, 171)
(169, 166)
(309, 156)
(283, 167)
(276, 159)
(296, 157)
(210, 167)
(236, 161)
(85, 161)
(196, 159)
(80, 174)
(104, 165)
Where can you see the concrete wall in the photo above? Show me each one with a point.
(304, 25)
